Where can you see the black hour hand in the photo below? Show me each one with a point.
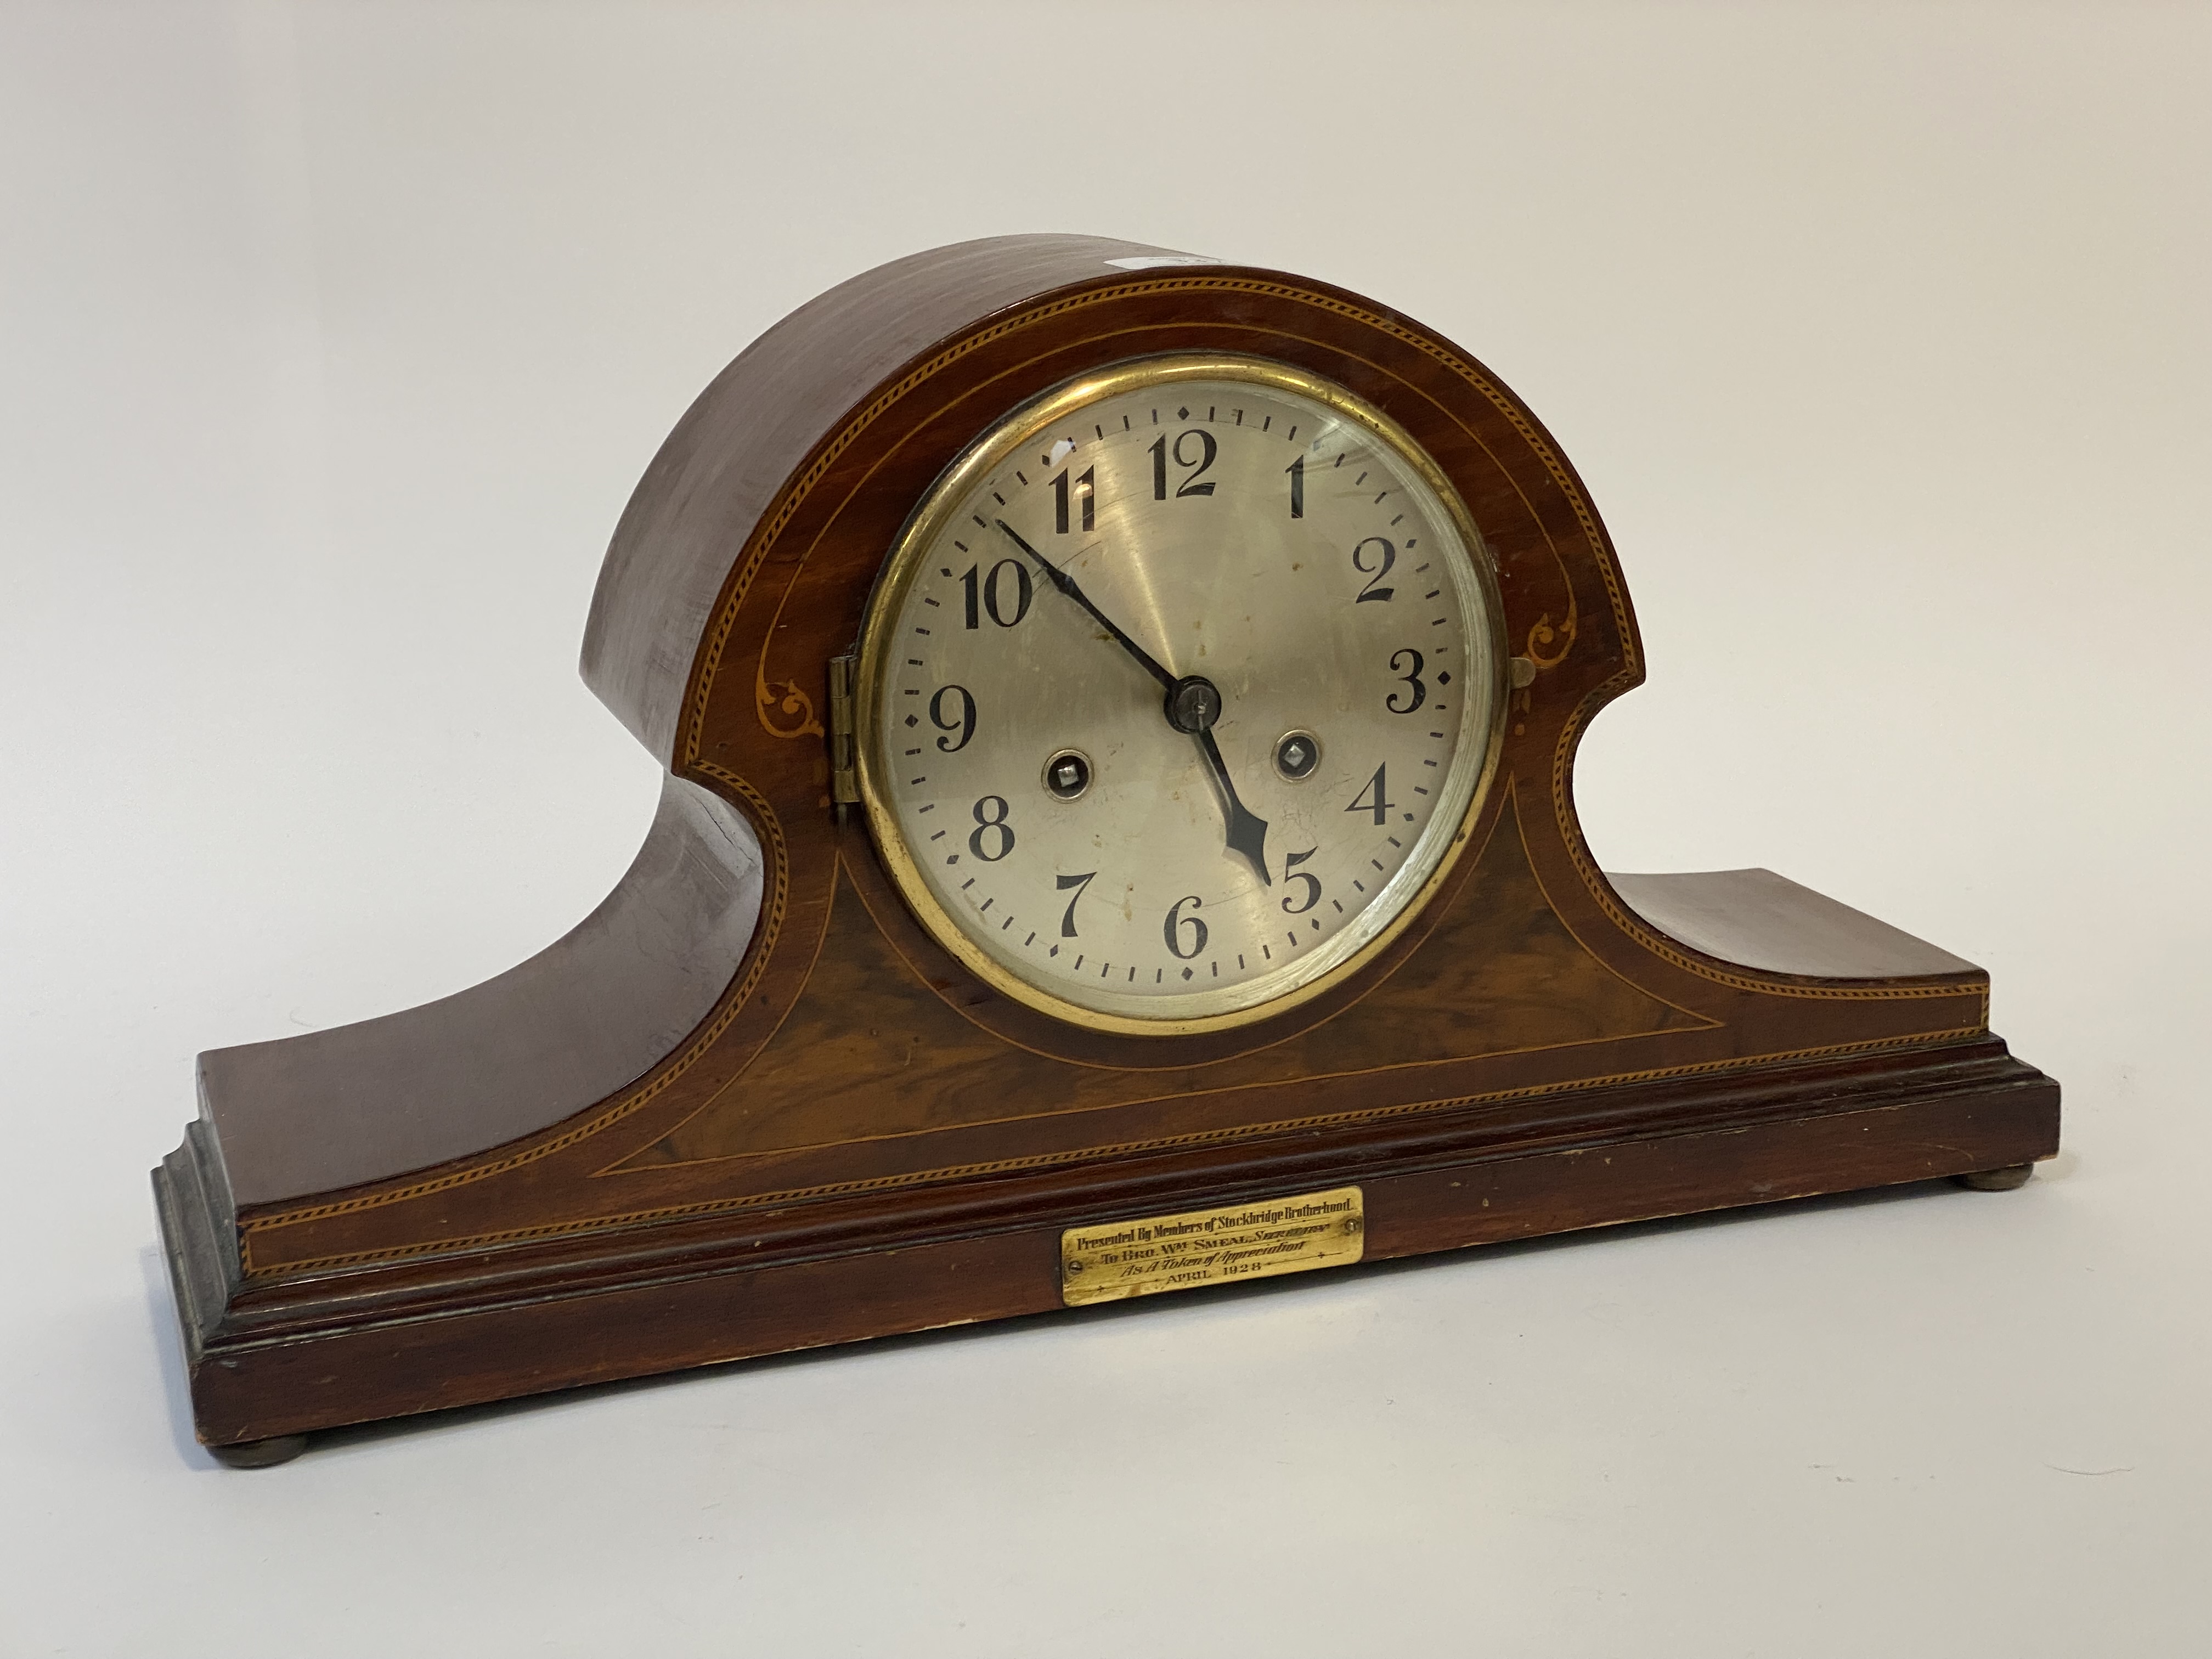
(1247, 835)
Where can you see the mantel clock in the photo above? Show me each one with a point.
(1119, 712)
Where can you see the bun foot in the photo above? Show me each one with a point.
(260, 1453)
(1997, 1180)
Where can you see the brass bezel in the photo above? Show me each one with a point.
(1003, 438)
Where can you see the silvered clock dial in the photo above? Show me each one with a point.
(1178, 693)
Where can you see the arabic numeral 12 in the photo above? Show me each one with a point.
(1207, 448)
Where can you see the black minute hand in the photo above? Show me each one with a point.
(1192, 707)
(1065, 583)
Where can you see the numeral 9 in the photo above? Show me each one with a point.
(964, 723)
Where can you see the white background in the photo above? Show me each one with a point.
(332, 339)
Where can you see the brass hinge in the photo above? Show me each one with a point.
(844, 776)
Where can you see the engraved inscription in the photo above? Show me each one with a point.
(1211, 1247)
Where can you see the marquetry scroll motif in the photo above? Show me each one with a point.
(784, 699)
(1548, 646)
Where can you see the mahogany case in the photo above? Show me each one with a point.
(748, 1105)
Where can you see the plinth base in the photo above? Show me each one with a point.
(421, 1335)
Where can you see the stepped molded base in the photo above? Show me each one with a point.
(270, 1363)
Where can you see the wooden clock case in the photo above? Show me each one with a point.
(748, 1105)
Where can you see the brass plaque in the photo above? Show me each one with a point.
(1211, 1247)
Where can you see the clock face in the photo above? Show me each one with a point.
(1178, 693)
